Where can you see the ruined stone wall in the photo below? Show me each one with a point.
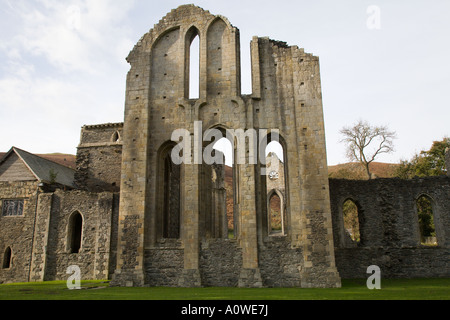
(221, 263)
(164, 264)
(287, 81)
(286, 96)
(99, 158)
(280, 263)
(16, 232)
(389, 227)
(99, 220)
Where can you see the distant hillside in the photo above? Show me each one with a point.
(355, 171)
(352, 171)
(68, 160)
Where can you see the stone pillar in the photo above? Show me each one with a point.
(133, 187)
(40, 241)
(250, 275)
(190, 276)
(103, 236)
(319, 269)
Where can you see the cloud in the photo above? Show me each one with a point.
(76, 36)
(63, 66)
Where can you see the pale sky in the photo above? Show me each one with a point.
(63, 64)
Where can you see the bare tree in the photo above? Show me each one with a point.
(366, 142)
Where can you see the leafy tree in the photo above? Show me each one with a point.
(426, 163)
(366, 142)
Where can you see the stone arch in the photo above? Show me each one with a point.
(276, 222)
(75, 232)
(166, 72)
(115, 137)
(351, 222)
(7, 258)
(224, 207)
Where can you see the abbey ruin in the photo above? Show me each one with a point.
(130, 214)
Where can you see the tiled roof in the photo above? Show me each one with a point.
(43, 169)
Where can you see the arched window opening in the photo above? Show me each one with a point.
(426, 221)
(194, 68)
(115, 137)
(225, 147)
(351, 220)
(7, 258)
(75, 232)
(276, 220)
(171, 205)
(275, 186)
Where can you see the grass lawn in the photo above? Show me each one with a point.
(391, 289)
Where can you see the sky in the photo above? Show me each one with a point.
(386, 62)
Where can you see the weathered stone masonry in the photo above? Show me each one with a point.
(389, 227)
(131, 215)
(287, 96)
(99, 158)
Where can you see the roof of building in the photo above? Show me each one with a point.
(44, 170)
(104, 125)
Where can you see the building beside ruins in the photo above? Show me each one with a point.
(129, 213)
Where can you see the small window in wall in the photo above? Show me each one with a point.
(115, 137)
(426, 221)
(75, 231)
(351, 220)
(12, 208)
(7, 258)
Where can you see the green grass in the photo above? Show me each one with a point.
(398, 289)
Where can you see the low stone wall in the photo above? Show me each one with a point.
(279, 263)
(164, 264)
(220, 263)
(412, 262)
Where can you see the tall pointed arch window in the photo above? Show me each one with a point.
(192, 73)
(75, 230)
(350, 212)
